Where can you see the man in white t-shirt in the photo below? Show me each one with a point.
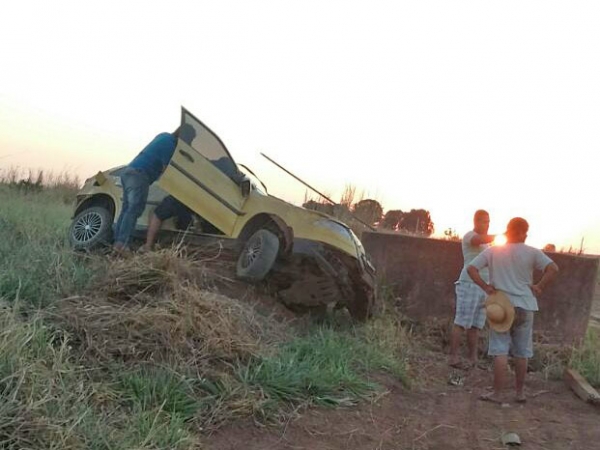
(511, 269)
(469, 314)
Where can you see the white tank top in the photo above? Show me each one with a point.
(469, 252)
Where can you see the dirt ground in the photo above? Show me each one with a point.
(432, 415)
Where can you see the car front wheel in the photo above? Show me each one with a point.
(258, 256)
(91, 228)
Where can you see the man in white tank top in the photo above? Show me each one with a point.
(469, 314)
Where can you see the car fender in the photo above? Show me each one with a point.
(267, 220)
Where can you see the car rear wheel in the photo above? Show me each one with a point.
(91, 228)
(258, 256)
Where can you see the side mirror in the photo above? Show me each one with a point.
(245, 185)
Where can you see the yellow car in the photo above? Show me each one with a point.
(311, 259)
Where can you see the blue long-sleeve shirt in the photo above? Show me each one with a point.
(155, 157)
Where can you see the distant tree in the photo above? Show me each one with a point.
(549, 248)
(417, 221)
(369, 211)
(391, 219)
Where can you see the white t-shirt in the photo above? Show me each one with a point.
(511, 270)
(469, 252)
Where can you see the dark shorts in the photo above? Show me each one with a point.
(171, 207)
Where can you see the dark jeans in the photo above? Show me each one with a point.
(171, 207)
(135, 194)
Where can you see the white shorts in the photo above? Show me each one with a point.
(470, 312)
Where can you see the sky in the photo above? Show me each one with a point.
(444, 106)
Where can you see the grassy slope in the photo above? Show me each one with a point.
(138, 366)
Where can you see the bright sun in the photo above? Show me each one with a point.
(500, 239)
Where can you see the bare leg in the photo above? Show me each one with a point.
(472, 344)
(153, 227)
(500, 368)
(455, 336)
(520, 372)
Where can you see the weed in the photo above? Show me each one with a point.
(586, 359)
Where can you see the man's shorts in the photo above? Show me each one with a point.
(518, 341)
(171, 207)
(469, 305)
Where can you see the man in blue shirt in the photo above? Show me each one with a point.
(139, 174)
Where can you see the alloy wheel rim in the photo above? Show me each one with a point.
(87, 227)
(253, 251)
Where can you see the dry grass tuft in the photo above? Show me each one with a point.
(157, 273)
(550, 359)
(163, 307)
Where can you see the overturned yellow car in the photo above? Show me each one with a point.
(312, 260)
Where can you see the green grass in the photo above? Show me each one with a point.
(586, 359)
(49, 401)
(154, 388)
(36, 265)
(47, 398)
(41, 400)
(326, 367)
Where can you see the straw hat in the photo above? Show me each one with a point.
(499, 311)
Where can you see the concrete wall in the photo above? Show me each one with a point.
(422, 271)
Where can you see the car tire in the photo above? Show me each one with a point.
(91, 228)
(258, 256)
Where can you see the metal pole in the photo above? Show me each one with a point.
(310, 187)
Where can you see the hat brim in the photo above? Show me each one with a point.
(501, 299)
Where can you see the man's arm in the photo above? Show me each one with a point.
(480, 239)
(474, 274)
(550, 272)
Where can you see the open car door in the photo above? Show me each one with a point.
(203, 176)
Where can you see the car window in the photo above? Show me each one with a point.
(257, 184)
(210, 146)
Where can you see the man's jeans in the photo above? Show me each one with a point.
(135, 193)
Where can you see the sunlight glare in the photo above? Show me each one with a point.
(500, 239)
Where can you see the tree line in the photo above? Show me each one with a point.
(370, 211)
